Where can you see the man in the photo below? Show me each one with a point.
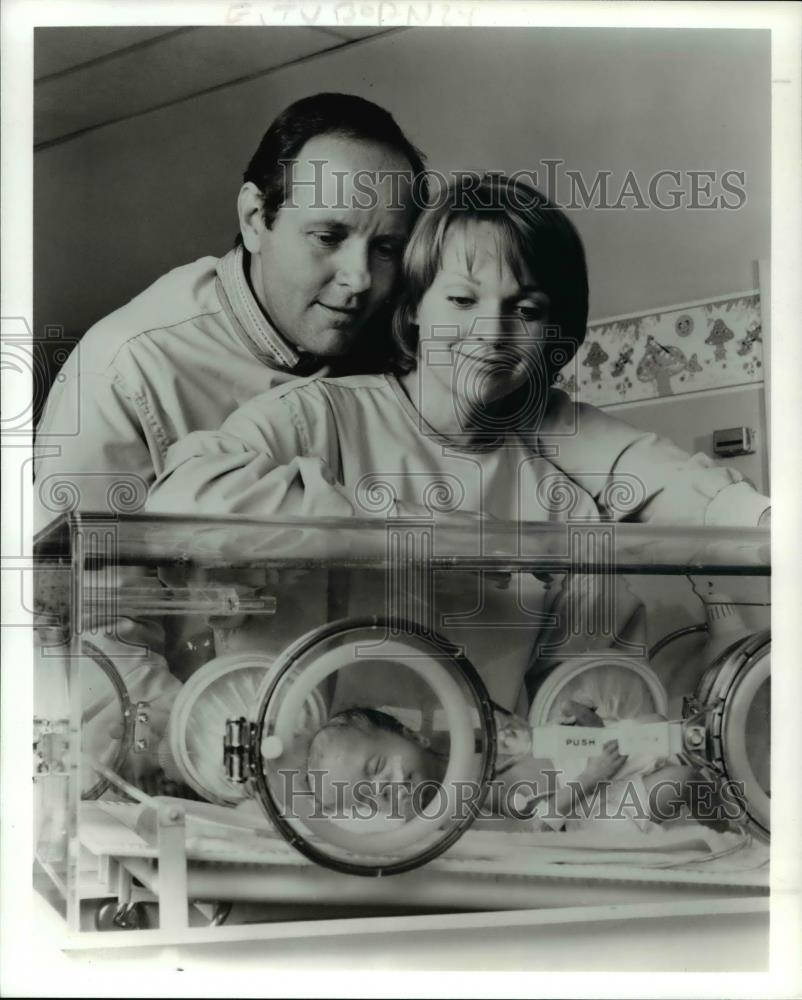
(324, 213)
(323, 221)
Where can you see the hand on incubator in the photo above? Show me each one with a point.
(580, 711)
(643, 788)
(602, 767)
(524, 785)
(529, 792)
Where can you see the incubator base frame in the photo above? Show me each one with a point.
(184, 877)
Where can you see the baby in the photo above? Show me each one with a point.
(363, 753)
(646, 789)
(369, 752)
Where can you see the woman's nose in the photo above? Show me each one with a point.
(497, 326)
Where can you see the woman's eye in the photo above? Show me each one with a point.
(461, 301)
(531, 312)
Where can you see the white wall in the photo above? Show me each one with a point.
(121, 204)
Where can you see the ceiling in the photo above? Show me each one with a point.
(88, 77)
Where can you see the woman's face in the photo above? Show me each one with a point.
(387, 768)
(480, 329)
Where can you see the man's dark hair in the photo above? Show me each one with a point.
(342, 115)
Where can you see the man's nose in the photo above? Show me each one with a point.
(353, 268)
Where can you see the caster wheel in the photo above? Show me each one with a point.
(111, 916)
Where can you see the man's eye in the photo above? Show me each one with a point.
(388, 251)
(461, 301)
(326, 239)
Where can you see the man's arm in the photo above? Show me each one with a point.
(97, 452)
(269, 457)
(639, 476)
(97, 448)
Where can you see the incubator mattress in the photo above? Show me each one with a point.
(690, 855)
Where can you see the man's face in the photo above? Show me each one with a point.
(332, 255)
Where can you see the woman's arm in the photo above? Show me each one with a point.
(636, 475)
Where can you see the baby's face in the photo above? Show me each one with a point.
(387, 768)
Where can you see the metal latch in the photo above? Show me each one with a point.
(694, 731)
(142, 727)
(238, 749)
(691, 707)
(50, 745)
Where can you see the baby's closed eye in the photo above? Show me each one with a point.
(374, 766)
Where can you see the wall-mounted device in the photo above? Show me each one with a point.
(734, 441)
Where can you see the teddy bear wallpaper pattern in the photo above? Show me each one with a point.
(710, 345)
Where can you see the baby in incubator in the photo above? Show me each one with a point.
(392, 764)
(367, 753)
(646, 789)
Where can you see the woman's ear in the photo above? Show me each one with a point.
(251, 221)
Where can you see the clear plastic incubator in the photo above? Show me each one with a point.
(254, 723)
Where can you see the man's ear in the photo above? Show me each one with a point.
(251, 221)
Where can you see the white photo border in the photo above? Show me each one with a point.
(31, 965)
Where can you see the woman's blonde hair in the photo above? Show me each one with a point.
(532, 233)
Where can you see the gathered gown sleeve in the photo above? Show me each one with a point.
(637, 475)
(277, 454)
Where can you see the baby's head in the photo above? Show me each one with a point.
(491, 249)
(370, 753)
